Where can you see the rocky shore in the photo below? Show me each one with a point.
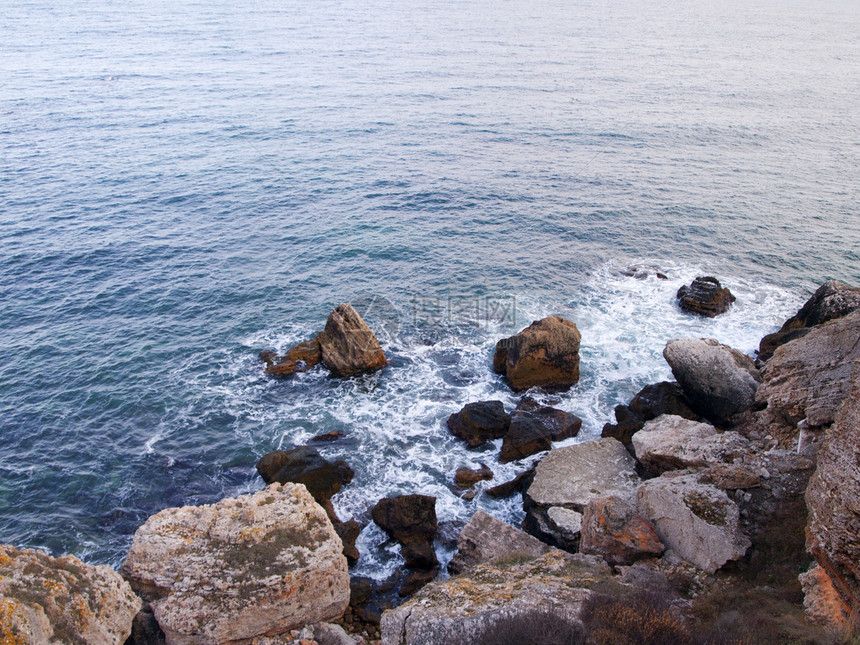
(719, 508)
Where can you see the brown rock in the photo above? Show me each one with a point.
(407, 518)
(415, 579)
(649, 403)
(347, 344)
(731, 476)
(348, 533)
(824, 606)
(705, 297)
(479, 422)
(327, 437)
(612, 529)
(516, 485)
(545, 354)
(526, 436)
(299, 358)
(467, 477)
(561, 425)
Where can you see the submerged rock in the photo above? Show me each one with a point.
(613, 530)
(251, 566)
(347, 344)
(545, 354)
(480, 422)
(705, 297)
(299, 358)
(62, 600)
(516, 485)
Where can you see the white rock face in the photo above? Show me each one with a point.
(62, 600)
(671, 442)
(698, 521)
(256, 565)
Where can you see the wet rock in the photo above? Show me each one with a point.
(824, 606)
(525, 437)
(649, 403)
(299, 358)
(328, 437)
(830, 301)
(411, 520)
(268, 356)
(718, 380)
(516, 485)
(697, 521)
(467, 477)
(347, 344)
(626, 425)
(62, 600)
(348, 533)
(255, 565)
(670, 443)
(705, 297)
(486, 538)
(479, 422)
(613, 530)
(545, 354)
(833, 528)
(561, 425)
(643, 272)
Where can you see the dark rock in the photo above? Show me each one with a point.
(641, 273)
(612, 529)
(560, 424)
(145, 629)
(419, 555)
(327, 437)
(348, 533)
(830, 301)
(705, 297)
(627, 424)
(649, 403)
(268, 356)
(415, 579)
(360, 590)
(545, 354)
(467, 477)
(347, 344)
(516, 485)
(407, 518)
(526, 436)
(370, 614)
(557, 526)
(479, 422)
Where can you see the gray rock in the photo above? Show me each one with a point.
(697, 521)
(62, 600)
(670, 442)
(331, 634)
(718, 380)
(486, 538)
(347, 344)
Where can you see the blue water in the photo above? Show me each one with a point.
(184, 184)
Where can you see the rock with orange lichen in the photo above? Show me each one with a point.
(62, 600)
(257, 565)
(612, 529)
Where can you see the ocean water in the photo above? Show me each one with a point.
(185, 184)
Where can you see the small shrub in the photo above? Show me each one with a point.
(534, 627)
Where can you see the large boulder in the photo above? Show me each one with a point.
(612, 529)
(830, 301)
(545, 354)
(46, 600)
(808, 378)
(670, 442)
(697, 521)
(561, 425)
(251, 566)
(347, 344)
(411, 521)
(533, 429)
(719, 381)
(649, 403)
(833, 500)
(705, 297)
(480, 422)
(486, 538)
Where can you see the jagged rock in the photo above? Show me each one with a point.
(526, 436)
(347, 344)
(718, 380)
(46, 600)
(486, 538)
(830, 301)
(299, 358)
(411, 520)
(697, 521)
(348, 533)
(670, 442)
(479, 422)
(649, 403)
(612, 530)
(705, 296)
(254, 565)
(516, 485)
(731, 476)
(833, 498)
(808, 378)
(545, 354)
(561, 425)
(462, 609)
(468, 477)
(824, 606)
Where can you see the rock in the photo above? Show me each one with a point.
(486, 538)
(415, 579)
(612, 530)
(808, 378)
(643, 272)
(299, 358)
(670, 442)
(254, 565)
(347, 344)
(649, 403)
(348, 533)
(145, 629)
(331, 634)
(718, 380)
(563, 527)
(697, 521)
(830, 301)
(731, 476)
(626, 425)
(517, 485)
(479, 422)
(328, 437)
(560, 424)
(411, 520)
(545, 354)
(488, 597)
(268, 356)
(705, 297)
(526, 436)
(467, 477)
(833, 528)
(62, 600)
(824, 606)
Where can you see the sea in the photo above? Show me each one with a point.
(185, 183)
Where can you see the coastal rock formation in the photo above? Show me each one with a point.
(62, 600)
(526, 436)
(808, 378)
(670, 443)
(411, 521)
(480, 422)
(299, 358)
(252, 566)
(705, 297)
(830, 301)
(490, 596)
(468, 477)
(545, 354)
(561, 425)
(649, 403)
(718, 380)
(347, 344)
(697, 521)
(822, 602)
(833, 499)
(612, 530)
(516, 485)
(486, 538)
